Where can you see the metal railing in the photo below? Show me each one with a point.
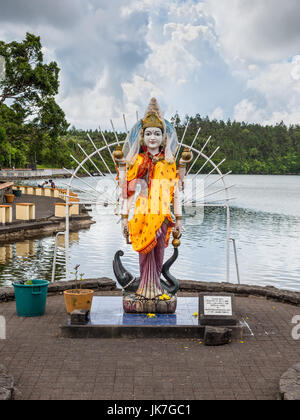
(54, 256)
(236, 260)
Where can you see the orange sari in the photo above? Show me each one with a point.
(158, 180)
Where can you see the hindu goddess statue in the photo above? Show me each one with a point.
(148, 175)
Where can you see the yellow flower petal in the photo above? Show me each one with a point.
(195, 314)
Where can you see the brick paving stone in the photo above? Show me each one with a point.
(46, 366)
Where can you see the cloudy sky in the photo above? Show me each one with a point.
(236, 59)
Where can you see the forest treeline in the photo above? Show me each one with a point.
(247, 148)
(34, 129)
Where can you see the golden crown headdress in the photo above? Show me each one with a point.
(152, 117)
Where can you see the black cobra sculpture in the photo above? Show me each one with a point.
(130, 283)
(126, 279)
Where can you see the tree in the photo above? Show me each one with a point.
(4, 146)
(33, 118)
(28, 81)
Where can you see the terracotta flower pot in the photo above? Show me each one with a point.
(9, 198)
(78, 299)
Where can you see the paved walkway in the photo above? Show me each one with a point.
(46, 366)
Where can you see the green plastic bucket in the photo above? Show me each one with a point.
(31, 299)
(17, 193)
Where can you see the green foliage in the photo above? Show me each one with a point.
(247, 148)
(27, 79)
(31, 122)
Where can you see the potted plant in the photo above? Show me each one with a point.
(78, 298)
(9, 198)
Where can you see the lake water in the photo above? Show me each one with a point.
(265, 222)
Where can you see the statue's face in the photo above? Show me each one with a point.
(153, 138)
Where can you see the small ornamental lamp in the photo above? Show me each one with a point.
(186, 154)
(118, 154)
(176, 235)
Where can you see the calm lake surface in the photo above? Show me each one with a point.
(265, 222)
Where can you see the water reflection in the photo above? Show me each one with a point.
(5, 254)
(267, 242)
(25, 249)
(73, 239)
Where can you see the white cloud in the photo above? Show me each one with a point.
(137, 94)
(171, 61)
(276, 83)
(295, 70)
(256, 30)
(279, 85)
(217, 114)
(247, 111)
(226, 59)
(257, 40)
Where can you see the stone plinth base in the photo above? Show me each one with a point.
(133, 304)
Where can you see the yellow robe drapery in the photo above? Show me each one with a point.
(152, 206)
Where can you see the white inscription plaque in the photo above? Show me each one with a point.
(217, 305)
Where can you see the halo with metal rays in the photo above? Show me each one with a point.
(109, 197)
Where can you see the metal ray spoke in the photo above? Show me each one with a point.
(211, 203)
(84, 182)
(206, 143)
(104, 203)
(220, 177)
(125, 124)
(217, 191)
(112, 125)
(182, 138)
(106, 144)
(192, 195)
(206, 162)
(216, 167)
(196, 136)
(79, 189)
(89, 193)
(86, 155)
(212, 183)
(102, 158)
(198, 154)
(192, 199)
(85, 170)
